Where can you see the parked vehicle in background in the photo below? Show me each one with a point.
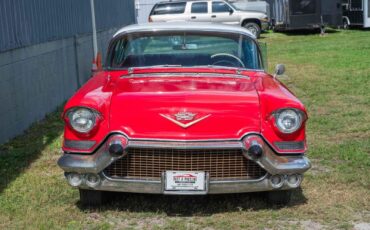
(331, 11)
(305, 14)
(209, 11)
(356, 13)
(252, 5)
(185, 109)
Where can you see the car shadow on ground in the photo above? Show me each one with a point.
(191, 205)
(20, 152)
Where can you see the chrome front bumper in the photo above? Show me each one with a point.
(157, 187)
(97, 162)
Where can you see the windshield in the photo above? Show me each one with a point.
(187, 49)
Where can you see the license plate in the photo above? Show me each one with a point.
(185, 181)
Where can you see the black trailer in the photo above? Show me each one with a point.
(356, 13)
(305, 14)
(331, 11)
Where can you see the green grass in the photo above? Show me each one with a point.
(330, 74)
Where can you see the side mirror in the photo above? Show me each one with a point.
(279, 70)
(231, 11)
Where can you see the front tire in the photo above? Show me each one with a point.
(91, 197)
(254, 28)
(280, 197)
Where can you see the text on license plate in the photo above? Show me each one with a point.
(184, 181)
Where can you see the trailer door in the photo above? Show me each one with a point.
(305, 14)
(366, 13)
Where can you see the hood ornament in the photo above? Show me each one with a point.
(184, 116)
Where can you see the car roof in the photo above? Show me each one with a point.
(183, 26)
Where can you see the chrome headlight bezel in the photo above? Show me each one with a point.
(77, 116)
(293, 114)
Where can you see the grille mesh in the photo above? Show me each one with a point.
(221, 164)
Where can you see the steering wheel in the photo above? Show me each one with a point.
(232, 62)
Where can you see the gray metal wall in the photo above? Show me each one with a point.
(27, 22)
(42, 69)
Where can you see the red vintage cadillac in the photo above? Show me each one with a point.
(184, 109)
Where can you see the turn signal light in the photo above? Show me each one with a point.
(254, 146)
(255, 151)
(117, 145)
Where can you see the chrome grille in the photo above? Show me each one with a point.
(221, 164)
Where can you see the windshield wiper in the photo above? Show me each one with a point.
(219, 66)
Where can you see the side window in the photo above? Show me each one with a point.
(199, 8)
(220, 7)
(169, 8)
(119, 53)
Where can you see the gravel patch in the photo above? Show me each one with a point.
(362, 226)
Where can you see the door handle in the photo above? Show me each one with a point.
(213, 16)
(193, 17)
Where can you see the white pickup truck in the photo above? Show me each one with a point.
(217, 11)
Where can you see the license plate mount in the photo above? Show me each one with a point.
(185, 182)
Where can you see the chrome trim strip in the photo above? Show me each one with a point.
(275, 164)
(271, 162)
(190, 140)
(229, 29)
(156, 187)
(199, 141)
(181, 140)
(158, 181)
(103, 174)
(239, 181)
(182, 125)
(82, 163)
(174, 74)
(187, 145)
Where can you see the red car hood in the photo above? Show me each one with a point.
(222, 108)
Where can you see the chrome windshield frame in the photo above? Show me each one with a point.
(119, 36)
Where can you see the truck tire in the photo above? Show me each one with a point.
(91, 197)
(280, 197)
(254, 28)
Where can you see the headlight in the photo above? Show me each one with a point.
(82, 119)
(288, 120)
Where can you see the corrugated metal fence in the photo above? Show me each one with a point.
(28, 22)
(46, 54)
